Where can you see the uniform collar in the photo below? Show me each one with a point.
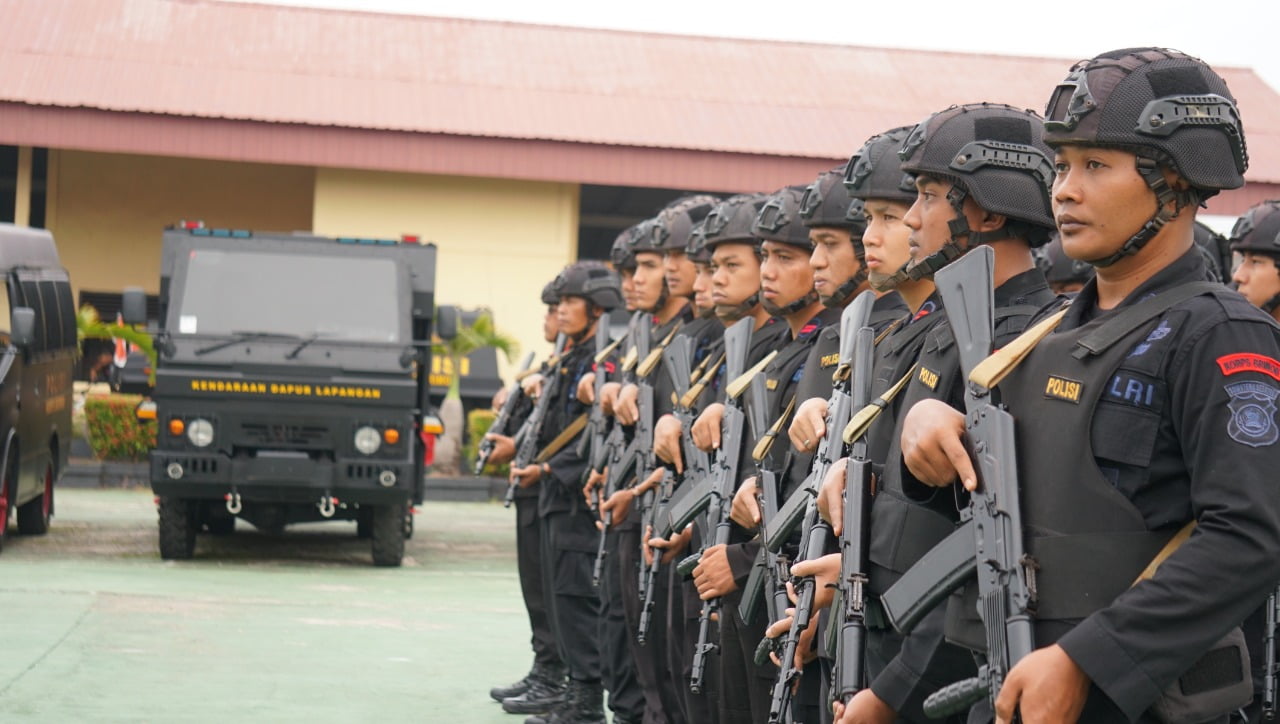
(1187, 268)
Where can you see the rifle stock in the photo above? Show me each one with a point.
(1006, 591)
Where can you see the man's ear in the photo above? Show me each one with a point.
(991, 221)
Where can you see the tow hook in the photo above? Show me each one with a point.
(233, 502)
(326, 505)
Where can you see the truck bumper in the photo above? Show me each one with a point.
(280, 478)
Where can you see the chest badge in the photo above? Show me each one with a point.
(1061, 388)
(1253, 413)
(928, 378)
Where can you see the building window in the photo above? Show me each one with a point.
(9, 185)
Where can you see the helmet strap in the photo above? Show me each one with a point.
(795, 306)
(1150, 172)
(843, 293)
(744, 308)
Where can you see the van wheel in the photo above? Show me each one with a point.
(33, 515)
(177, 529)
(388, 534)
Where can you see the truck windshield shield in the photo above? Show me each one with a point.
(345, 299)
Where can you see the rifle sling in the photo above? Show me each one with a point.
(1137, 315)
(562, 439)
(861, 421)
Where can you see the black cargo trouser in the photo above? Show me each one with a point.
(529, 566)
(661, 704)
(569, 546)
(745, 687)
(626, 698)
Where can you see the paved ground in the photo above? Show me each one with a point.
(94, 627)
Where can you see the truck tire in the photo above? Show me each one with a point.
(177, 528)
(388, 534)
(33, 515)
(8, 484)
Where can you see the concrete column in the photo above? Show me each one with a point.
(22, 195)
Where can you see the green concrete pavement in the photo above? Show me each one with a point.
(94, 627)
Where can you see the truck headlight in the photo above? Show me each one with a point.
(368, 440)
(200, 432)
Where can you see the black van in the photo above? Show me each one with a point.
(287, 386)
(37, 359)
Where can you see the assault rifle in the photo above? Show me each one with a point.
(1006, 575)
(515, 393)
(646, 463)
(591, 445)
(619, 458)
(527, 445)
(854, 335)
(723, 477)
(770, 570)
(854, 537)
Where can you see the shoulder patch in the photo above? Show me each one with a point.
(1062, 388)
(1253, 413)
(829, 360)
(771, 385)
(1248, 362)
(928, 377)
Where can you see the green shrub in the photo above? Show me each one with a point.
(115, 432)
(478, 422)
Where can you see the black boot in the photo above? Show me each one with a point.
(555, 715)
(546, 690)
(550, 673)
(585, 705)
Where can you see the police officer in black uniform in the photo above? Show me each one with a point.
(1165, 391)
(1256, 237)
(787, 292)
(544, 685)
(587, 292)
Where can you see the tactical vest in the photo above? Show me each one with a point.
(1089, 541)
(904, 529)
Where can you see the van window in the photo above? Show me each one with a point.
(66, 313)
(51, 317)
(30, 297)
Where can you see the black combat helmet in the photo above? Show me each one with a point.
(995, 154)
(620, 254)
(1167, 108)
(549, 294)
(731, 221)
(827, 204)
(675, 223)
(779, 219)
(697, 249)
(1258, 232)
(1059, 268)
(1216, 251)
(592, 281)
(875, 171)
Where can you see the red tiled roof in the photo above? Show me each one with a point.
(208, 59)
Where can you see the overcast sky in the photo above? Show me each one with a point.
(1229, 32)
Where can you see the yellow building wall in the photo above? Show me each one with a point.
(107, 211)
(499, 241)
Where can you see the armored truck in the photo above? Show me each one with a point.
(291, 383)
(37, 360)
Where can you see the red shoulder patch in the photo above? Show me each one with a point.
(1248, 362)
